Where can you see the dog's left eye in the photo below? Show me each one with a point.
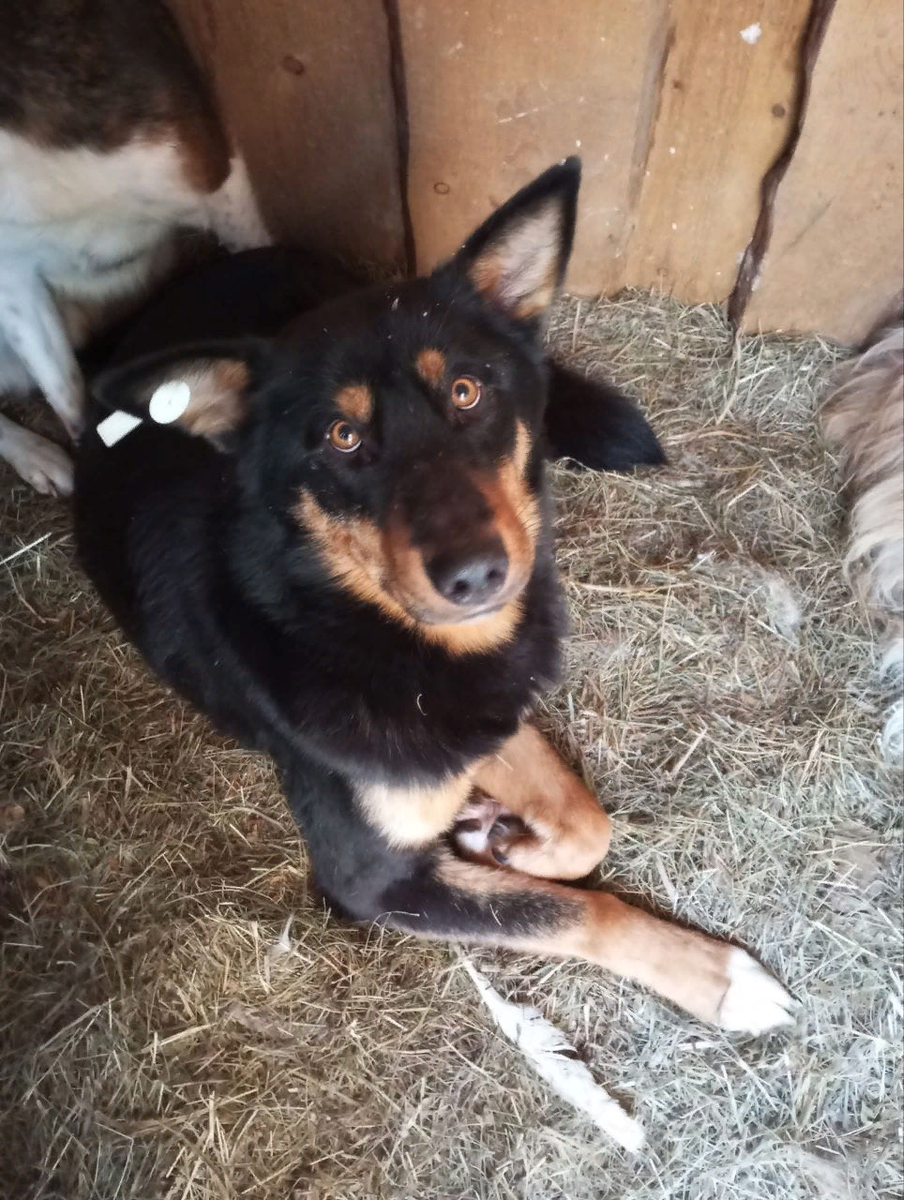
(341, 435)
(466, 391)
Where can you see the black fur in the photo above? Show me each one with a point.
(594, 425)
(258, 292)
(202, 557)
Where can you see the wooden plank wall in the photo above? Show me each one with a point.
(673, 152)
(836, 256)
(677, 107)
(305, 89)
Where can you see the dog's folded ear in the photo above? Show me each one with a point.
(516, 260)
(593, 424)
(204, 389)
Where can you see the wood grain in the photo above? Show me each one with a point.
(836, 256)
(722, 114)
(499, 91)
(305, 89)
(676, 116)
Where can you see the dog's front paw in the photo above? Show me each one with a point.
(485, 830)
(47, 467)
(754, 1001)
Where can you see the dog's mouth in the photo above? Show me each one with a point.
(470, 616)
(475, 583)
(462, 584)
(453, 554)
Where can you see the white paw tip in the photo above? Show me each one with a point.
(473, 841)
(49, 471)
(754, 1001)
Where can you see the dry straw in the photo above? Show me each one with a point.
(167, 1035)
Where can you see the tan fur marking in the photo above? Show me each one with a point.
(522, 448)
(477, 637)
(688, 968)
(519, 272)
(352, 551)
(202, 148)
(431, 366)
(486, 274)
(217, 402)
(537, 303)
(516, 513)
(414, 816)
(385, 571)
(569, 832)
(356, 402)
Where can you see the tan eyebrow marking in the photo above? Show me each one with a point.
(431, 366)
(356, 402)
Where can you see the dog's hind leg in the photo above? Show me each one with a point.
(532, 813)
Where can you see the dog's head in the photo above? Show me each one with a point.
(396, 432)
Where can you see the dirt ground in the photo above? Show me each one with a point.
(181, 1020)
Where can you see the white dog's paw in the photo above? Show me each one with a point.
(42, 463)
(50, 471)
(754, 1001)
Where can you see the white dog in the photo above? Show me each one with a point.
(863, 418)
(109, 144)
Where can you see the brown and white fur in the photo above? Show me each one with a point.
(109, 145)
(863, 418)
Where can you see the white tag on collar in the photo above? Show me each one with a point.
(169, 401)
(116, 426)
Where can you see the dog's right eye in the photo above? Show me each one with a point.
(466, 392)
(343, 437)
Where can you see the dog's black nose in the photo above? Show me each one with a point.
(471, 578)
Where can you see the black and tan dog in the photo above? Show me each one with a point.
(339, 549)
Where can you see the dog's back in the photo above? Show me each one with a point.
(107, 136)
(863, 419)
(109, 141)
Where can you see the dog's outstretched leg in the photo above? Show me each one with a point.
(40, 462)
(715, 981)
(31, 326)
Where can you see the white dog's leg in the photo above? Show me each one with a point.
(30, 324)
(232, 211)
(40, 462)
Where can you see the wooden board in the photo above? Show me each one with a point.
(836, 256)
(498, 91)
(305, 88)
(724, 103)
(676, 116)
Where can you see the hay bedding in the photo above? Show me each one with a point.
(179, 1018)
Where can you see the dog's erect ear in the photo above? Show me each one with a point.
(516, 260)
(592, 423)
(203, 389)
